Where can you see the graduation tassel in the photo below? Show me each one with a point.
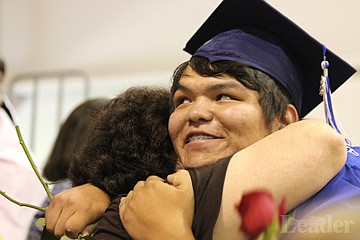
(325, 92)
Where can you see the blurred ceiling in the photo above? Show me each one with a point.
(119, 36)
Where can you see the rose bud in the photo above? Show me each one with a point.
(257, 210)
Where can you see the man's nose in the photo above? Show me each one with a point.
(200, 110)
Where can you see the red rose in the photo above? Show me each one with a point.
(257, 210)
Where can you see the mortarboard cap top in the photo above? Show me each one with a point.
(254, 33)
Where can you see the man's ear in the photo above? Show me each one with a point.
(291, 116)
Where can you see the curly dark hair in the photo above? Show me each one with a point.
(129, 142)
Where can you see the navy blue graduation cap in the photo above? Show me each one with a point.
(252, 32)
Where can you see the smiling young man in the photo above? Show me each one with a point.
(225, 89)
(233, 116)
(213, 117)
(229, 101)
(211, 102)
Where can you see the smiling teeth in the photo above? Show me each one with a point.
(199, 137)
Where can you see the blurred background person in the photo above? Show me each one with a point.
(2, 90)
(72, 134)
(17, 178)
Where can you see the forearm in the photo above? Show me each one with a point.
(294, 163)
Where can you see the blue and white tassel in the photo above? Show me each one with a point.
(325, 92)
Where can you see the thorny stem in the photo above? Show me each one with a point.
(22, 204)
(34, 167)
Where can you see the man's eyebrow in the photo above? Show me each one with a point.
(224, 85)
(182, 88)
(218, 86)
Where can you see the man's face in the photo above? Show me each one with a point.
(214, 118)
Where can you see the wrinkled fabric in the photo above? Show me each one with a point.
(110, 226)
(208, 183)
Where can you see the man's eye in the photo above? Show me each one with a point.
(223, 97)
(181, 101)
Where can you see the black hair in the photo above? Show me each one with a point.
(273, 98)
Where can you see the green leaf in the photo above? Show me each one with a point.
(40, 222)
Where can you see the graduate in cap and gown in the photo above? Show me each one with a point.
(254, 33)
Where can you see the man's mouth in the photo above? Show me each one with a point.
(199, 137)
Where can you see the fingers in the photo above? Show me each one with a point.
(124, 210)
(55, 214)
(154, 208)
(69, 223)
(70, 211)
(181, 179)
(154, 178)
(142, 189)
(138, 185)
(122, 207)
(88, 230)
(56, 218)
(75, 224)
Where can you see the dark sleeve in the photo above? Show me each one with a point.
(110, 225)
(208, 184)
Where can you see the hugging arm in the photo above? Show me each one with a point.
(294, 163)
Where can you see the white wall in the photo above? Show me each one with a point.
(120, 43)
